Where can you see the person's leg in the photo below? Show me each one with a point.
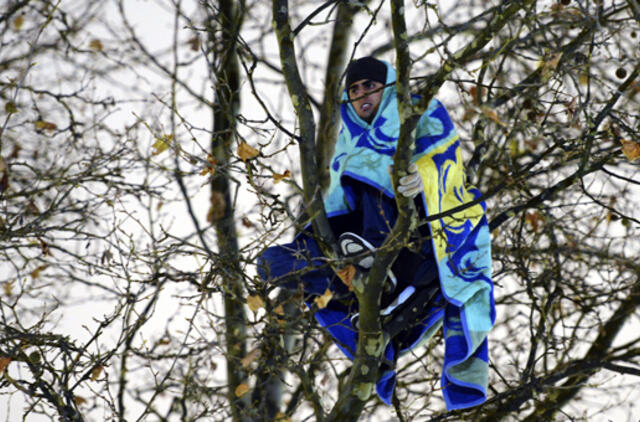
(300, 261)
(414, 311)
(379, 213)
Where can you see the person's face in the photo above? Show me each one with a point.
(365, 96)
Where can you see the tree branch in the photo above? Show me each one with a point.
(313, 202)
(329, 123)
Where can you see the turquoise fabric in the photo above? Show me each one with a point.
(461, 242)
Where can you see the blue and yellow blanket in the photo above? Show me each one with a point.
(461, 242)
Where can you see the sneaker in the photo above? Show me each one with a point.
(353, 245)
(409, 310)
(397, 302)
(355, 319)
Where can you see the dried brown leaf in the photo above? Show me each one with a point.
(255, 302)
(96, 45)
(492, 115)
(4, 181)
(323, 301)
(252, 356)
(36, 272)
(242, 389)
(161, 144)
(194, 43)
(218, 207)
(96, 371)
(279, 177)
(246, 151)
(347, 274)
(18, 22)
(210, 167)
(4, 362)
(44, 246)
(15, 152)
(281, 417)
(163, 341)
(473, 91)
(7, 287)
(44, 125)
(535, 219)
(630, 149)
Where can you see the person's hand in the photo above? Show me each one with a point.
(411, 184)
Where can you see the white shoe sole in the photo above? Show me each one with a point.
(353, 245)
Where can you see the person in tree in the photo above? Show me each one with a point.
(441, 278)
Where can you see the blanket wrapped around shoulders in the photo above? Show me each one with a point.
(461, 241)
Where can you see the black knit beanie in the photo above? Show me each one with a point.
(366, 68)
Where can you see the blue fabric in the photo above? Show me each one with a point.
(460, 243)
(303, 261)
(300, 260)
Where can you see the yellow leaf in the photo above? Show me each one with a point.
(279, 310)
(514, 148)
(161, 144)
(208, 170)
(583, 78)
(246, 361)
(347, 275)
(4, 362)
(11, 107)
(79, 400)
(18, 22)
(255, 302)
(36, 273)
(246, 151)
(242, 389)
(96, 371)
(44, 125)
(279, 177)
(7, 287)
(534, 219)
(96, 45)
(630, 149)
(323, 301)
(281, 417)
(488, 112)
(210, 167)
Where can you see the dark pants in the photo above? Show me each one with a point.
(373, 216)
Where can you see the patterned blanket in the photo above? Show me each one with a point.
(461, 241)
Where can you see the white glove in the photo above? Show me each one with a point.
(411, 184)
